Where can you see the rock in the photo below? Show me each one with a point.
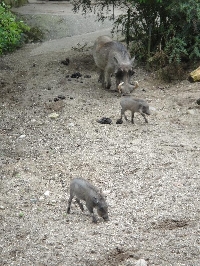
(41, 198)
(53, 115)
(191, 111)
(22, 136)
(194, 75)
(47, 193)
(33, 200)
(71, 125)
(2, 207)
(153, 110)
(141, 262)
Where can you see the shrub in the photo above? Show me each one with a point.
(168, 27)
(153, 28)
(12, 31)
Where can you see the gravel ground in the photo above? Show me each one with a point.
(149, 172)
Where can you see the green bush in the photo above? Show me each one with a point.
(169, 29)
(162, 27)
(12, 31)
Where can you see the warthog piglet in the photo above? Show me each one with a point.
(134, 105)
(83, 190)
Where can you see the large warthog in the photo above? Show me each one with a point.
(112, 57)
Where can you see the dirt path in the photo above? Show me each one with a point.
(63, 29)
(149, 172)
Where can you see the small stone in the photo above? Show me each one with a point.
(191, 111)
(141, 262)
(41, 198)
(46, 193)
(33, 200)
(2, 207)
(153, 110)
(53, 115)
(106, 192)
(22, 136)
(71, 124)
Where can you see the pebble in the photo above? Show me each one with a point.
(33, 200)
(22, 136)
(191, 111)
(71, 124)
(41, 198)
(2, 207)
(46, 193)
(141, 262)
(53, 115)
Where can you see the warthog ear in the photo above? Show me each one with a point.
(132, 60)
(115, 59)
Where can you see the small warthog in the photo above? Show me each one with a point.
(112, 57)
(83, 190)
(134, 105)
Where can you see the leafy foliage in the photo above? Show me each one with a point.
(11, 31)
(151, 28)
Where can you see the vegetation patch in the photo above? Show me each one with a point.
(158, 32)
(12, 31)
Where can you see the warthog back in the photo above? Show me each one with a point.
(83, 190)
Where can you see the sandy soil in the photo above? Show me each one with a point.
(149, 172)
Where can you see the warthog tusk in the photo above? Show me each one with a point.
(119, 87)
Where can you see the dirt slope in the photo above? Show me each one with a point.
(150, 172)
